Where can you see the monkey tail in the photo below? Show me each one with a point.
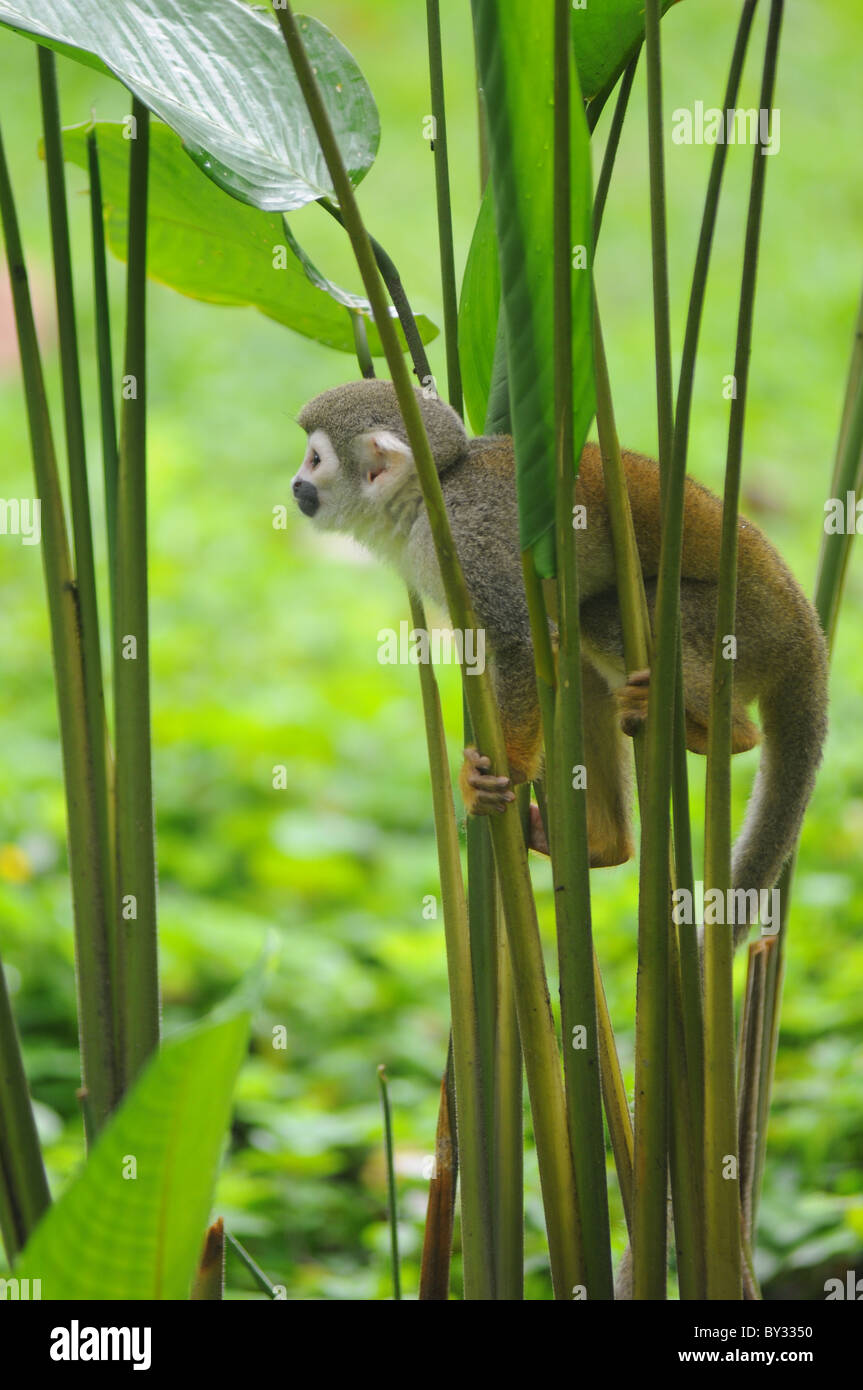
(794, 723)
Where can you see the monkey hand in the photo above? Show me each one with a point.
(632, 701)
(482, 792)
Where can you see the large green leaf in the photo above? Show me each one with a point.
(131, 1225)
(478, 313)
(605, 36)
(213, 248)
(218, 72)
(514, 52)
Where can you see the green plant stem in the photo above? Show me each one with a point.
(570, 857)
(690, 963)
(83, 825)
(471, 1082)
(393, 281)
(507, 1157)
(832, 567)
(749, 1067)
(264, 1284)
(539, 1046)
(104, 357)
(651, 1030)
(136, 873)
(85, 570)
(392, 1193)
(720, 1115)
(361, 346)
(847, 477)
(615, 1100)
(444, 207)
(24, 1195)
(611, 146)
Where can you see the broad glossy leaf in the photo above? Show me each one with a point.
(478, 314)
(218, 72)
(605, 37)
(514, 50)
(115, 1235)
(214, 248)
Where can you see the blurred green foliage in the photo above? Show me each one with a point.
(264, 652)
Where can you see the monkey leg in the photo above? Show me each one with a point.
(603, 636)
(483, 792)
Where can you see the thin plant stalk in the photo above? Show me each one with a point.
(393, 282)
(651, 1029)
(507, 1156)
(570, 858)
(264, 1284)
(444, 206)
(104, 357)
(722, 1197)
(690, 962)
(832, 567)
(469, 1075)
(83, 824)
(539, 1045)
(24, 1195)
(611, 146)
(136, 872)
(750, 1053)
(685, 1152)
(82, 534)
(847, 478)
(392, 1194)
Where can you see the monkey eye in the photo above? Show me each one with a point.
(316, 458)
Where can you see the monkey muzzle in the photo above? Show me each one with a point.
(306, 496)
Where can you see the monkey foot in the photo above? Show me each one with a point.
(483, 793)
(632, 701)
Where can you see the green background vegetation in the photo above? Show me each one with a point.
(264, 652)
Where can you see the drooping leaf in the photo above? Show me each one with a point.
(214, 248)
(219, 74)
(604, 38)
(514, 50)
(478, 313)
(130, 1226)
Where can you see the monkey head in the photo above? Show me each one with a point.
(358, 462)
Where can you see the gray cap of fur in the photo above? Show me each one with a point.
(360, 407)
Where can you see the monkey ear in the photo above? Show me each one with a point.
(379, 452)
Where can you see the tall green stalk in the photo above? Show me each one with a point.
(73, 411)
(392, 1192)
(24, 1195)
(469, 1078)
(104, 357)
(539, 1045)
(651, 1029)
(444, 206)
(611, 145)
(136, 870)
(84, 828)
(570, 857)
(832, 567)
(722, 1194)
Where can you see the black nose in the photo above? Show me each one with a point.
(307, 496)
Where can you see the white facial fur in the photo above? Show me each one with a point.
(369, 498)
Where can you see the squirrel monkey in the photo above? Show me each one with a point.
(358, 476)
